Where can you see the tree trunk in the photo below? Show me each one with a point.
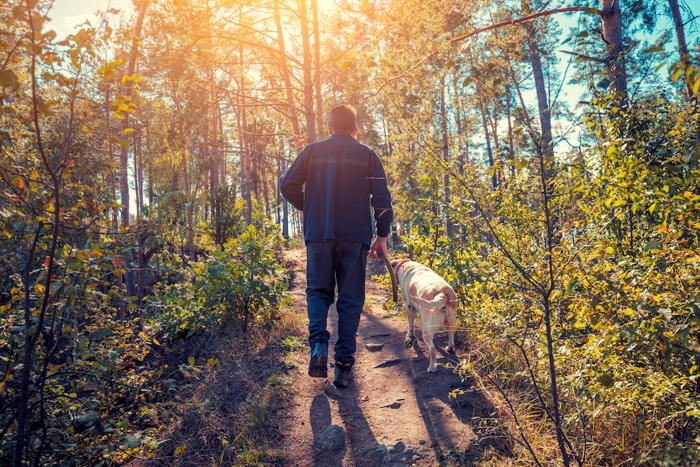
(308, 83)
(682, 44)
(111, 176)
(614, 58)
(546, 145)
(242, 137)
(241, 123)
(286, 77)
(446, 157)
(511, 140)
(127, 92)
(317, 68)
(189, 205)
(138, 171)
(285, 209)
(482, 110)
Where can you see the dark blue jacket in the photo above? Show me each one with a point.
(334, 182)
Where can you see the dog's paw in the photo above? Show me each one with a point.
(409, 341)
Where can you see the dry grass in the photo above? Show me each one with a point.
(511, 399)
(226, 411)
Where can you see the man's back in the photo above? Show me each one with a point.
(340, 178)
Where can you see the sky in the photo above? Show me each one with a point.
(67, 14)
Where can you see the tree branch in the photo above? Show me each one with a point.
(583, 56)
(527, 18)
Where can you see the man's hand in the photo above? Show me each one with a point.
(379, 246)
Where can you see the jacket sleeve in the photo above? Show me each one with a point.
(292, 182)
(381, 198)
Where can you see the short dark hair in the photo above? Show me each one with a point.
(342, 119)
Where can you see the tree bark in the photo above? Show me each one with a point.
(525, 19)
(127, 92)
(614, 58)
(317, 68)
(511, 139)
(242, 136)
(308, 83)
(446, 157)
(546, 145)
(484, 122)
(111, 176)
(682, 44)
(286, 77)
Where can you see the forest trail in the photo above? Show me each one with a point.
(393, 413)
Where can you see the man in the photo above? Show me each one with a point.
(334, 182)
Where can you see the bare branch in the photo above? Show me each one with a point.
(525, 19)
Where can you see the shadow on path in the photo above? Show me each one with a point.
(479, 433)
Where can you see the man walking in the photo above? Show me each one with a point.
(334, 182)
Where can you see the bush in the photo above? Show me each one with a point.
(241, 284)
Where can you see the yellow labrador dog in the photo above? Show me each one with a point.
(434, 300)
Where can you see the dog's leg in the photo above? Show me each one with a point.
(451, 323)
(410, 315)
(428, 334)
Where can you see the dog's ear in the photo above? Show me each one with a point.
(393, 263)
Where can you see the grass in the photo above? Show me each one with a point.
(227, 413)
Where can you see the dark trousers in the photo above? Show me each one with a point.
(328, 263)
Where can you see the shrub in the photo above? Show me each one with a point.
(241, 283)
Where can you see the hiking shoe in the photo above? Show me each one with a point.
(318, 364)
(342, 374)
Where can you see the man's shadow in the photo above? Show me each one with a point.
(363, 445)
(320, 417)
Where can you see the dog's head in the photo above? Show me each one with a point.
(396, 264)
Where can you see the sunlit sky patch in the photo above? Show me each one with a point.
(66, 15)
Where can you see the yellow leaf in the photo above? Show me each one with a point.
(628, 312)
(127, 131)
(155, 341)
(190, 360)
(610, 250)
(34, 175)
(212, 362)
(7, 233)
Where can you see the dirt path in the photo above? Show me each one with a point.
(394, 413)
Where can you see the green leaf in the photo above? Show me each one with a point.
(677, 75)
(654, 49)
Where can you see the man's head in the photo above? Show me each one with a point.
(342, 120)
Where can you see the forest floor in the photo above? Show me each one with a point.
(393, 413)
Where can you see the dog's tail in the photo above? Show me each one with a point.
(439, 301)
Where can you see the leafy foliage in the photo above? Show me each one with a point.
(241, 283)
